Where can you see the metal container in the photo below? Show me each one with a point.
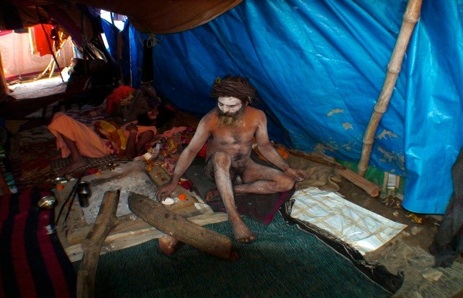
(59, 180)
(83, 193)
(47, 202)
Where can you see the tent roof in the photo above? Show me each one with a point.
(147, 16)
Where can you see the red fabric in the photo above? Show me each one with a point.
(43, 40)
(19, 257)
(48, 253)
(5, 32)
(33, 262)
(116, 96)
(260, 207)
(23, 204)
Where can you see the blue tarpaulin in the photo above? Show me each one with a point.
(319, 67)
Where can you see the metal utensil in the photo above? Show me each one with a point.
(83, 192)
(70, 196)
(47, 202)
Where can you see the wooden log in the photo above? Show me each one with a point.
(369, 187)
(118, 240)
(104, 223)
(169, 245)
(180, 228)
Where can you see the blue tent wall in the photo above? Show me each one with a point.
(319, 67)
(433, 114)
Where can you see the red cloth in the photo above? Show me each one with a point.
(33, 262)
(116, 96)
(41, 35)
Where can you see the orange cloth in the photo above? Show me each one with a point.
(88, 142)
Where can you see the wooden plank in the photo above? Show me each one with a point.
(117, 241)
(130, 230)
(160, 177)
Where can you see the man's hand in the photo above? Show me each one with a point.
(298, 175)
(165, 190)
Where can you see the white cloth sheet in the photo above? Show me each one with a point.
(363, 229)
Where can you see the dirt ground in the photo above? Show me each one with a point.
(408, 252)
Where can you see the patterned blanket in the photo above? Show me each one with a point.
(32, 261)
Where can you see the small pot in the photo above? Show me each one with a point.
(84, 193)
(59, 180)
(47, 202)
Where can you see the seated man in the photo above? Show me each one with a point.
(76, 139)
(230, 130)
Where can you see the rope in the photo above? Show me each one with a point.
(152, 41)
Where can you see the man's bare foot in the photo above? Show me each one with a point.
(72, 167)
(242, 233)
(211, 195)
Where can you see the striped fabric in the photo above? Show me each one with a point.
(32, 261)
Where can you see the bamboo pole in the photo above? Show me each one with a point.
(411, 17)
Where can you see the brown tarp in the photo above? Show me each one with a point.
(159, 17)
(163, 17)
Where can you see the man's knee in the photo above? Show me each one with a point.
(221, 159)
(285, 183)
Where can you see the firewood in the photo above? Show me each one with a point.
(104, 223)
(169, 245)
(369, 187)
(180, 228)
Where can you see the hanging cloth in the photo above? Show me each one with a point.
(41, 38)
(448, 242)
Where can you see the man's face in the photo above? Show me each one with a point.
(153, 113)
(148, 118)
(229, 109)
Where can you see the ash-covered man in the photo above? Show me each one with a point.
(230, 131)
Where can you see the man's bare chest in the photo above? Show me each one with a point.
(235, 135)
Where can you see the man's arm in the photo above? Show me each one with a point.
(130, 150)
(186, 158)
(268, 151)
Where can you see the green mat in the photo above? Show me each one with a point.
(283, 262)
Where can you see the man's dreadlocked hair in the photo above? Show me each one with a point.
(233, 86)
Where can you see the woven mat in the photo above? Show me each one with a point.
(100, 163)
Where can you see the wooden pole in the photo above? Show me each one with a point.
(411, 17)
(104, 223)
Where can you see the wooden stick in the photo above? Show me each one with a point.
(180, 228)
(411, 16)
(369, 187)
(104, 223)
(317, 159)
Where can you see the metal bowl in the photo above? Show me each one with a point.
(47, 202)
(59, 180)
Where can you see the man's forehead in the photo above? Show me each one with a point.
(229, 100)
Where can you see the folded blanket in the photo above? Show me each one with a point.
(259, 207)
(32, 261)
